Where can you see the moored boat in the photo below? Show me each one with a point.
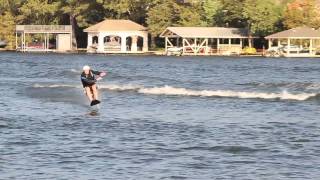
(2, 44)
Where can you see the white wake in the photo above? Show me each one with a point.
(168, 90)
(174, 91)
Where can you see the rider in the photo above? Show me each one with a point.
(89, 78)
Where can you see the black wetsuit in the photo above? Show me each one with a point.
(90, 79)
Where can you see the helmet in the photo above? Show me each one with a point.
(86, 67)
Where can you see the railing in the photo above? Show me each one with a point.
(44, 28)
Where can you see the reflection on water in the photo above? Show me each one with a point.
(94, 113)
(94, 110)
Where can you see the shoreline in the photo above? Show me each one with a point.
(154, 53)
(149, 53)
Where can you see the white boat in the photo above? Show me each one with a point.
(292, 48)
(177, 51)
(2, 44)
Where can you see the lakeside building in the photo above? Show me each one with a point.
(117, 36)
(296, 42)
(205, 40)
(55, 38)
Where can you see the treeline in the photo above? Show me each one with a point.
(261, 17)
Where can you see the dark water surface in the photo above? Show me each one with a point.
(160, 118)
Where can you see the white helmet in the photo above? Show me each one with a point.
(86, 67)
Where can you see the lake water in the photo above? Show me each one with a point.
(160, 118)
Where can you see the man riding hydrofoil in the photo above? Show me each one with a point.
(89, 78)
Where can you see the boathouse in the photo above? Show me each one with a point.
(44, 38)
(296, 42)
(206, 40)
(117, 36)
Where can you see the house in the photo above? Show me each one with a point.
(206, 40)
(117, 36)
(295, 42)
(40, 36)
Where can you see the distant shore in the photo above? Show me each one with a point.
(154, 53)
(157, 53)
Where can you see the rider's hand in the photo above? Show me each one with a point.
(103, 74)
(99, 78)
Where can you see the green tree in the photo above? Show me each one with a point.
(168, 13)
(10, 6)
(231, 14)
(210, 10)
(128, 9)
(77, 11)
(8, 12)
(160, 16)
(38, 12)
(119, 8)
(262, 16)
(189, 17)
(7, 24)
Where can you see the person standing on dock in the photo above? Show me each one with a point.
(89, 78)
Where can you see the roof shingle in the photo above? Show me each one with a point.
(299, 33)
(115, 25)
(206, 32)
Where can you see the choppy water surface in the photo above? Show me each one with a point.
(160, 118)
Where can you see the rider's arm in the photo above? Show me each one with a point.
(96, 72)
(99, 73)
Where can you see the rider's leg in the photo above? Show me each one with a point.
(89, 93)
(95, 92)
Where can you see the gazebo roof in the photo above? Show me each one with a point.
(115, 25)
(298, 33)
(204, 32)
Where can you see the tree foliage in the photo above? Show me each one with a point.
(169, 13)
(231, 14)
(7, 27)
(211, 9)
(262, 17)
(302, 13)
(162, 15)
(189, 17)
(135, 10)
(37, 12)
